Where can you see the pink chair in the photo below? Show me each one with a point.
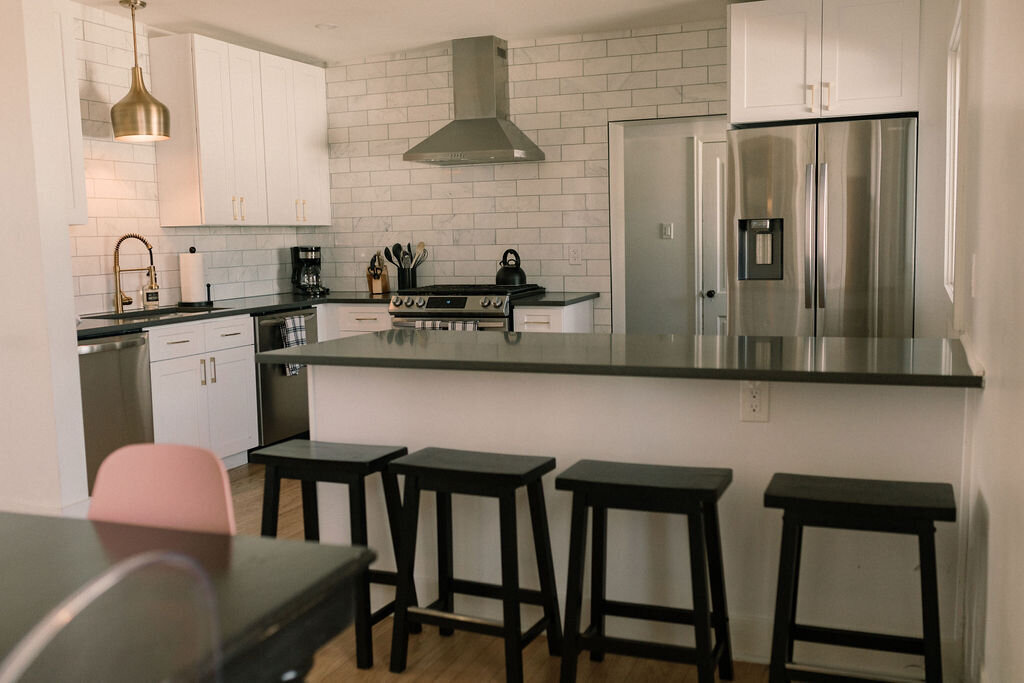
(164, 485)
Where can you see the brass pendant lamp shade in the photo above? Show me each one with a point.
(139, 117)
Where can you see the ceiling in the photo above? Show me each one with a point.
(376, 27)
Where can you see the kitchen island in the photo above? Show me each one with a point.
(871, 408)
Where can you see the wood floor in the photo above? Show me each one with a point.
(461, 657)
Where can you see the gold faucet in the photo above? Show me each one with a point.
(120, 298)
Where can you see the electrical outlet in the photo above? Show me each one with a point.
(575, 255)
(754, 401)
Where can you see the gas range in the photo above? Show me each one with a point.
(435, 306)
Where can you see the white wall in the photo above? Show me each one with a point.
(564, 91)
(41, 443)
(989, 232)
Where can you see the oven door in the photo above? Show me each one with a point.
(453, 324)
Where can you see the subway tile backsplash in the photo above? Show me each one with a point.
(564, 91)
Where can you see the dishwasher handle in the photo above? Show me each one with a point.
(277, 320)
(86, 349)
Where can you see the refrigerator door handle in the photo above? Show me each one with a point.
(823, 233)
(809, 218)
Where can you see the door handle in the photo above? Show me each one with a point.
(809, 247)
(823, 233)
(710, 294)
(202, 368)
(213, 370)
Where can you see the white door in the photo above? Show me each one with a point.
(279, 141)
(869, 56)
(215, 130)
(775, 60)
(179, 401)
(714, 274)
(310, 98)
(231, 392)
(247, 129)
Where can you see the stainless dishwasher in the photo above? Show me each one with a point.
(282, 400)
(117, 401)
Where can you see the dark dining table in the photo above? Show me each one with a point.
(277, 601)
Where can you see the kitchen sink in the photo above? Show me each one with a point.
(154, 313)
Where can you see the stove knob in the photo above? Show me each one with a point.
(396, 301)
(485, 302)
(421, 302)
(408, 301)
(498, 301)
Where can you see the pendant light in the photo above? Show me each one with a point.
(139, 117)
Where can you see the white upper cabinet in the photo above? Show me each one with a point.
(248, 136)
(775, 60)
(295, 135)
(211, 171)
(869, 56)
(809, 59)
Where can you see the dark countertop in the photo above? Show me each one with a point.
(277, 600)
(91, 327)
(556, 299)
(843, 360)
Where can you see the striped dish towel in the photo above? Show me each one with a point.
(454, 325)
(293, 333)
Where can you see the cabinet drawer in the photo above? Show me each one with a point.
(227, 333)
(364, 319)
(176, 341)
(538, 320)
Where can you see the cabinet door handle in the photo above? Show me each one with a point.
(297, 210)
(304, 210)
(234, 207)
(179, 341)
(230, 334)
(828, 95)
(812, 88)
(241, 203)
(202, 368)
(213, 370)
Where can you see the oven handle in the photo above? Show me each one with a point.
(481, 324)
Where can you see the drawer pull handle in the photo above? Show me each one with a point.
(538, 322)
(179, 341)
(366, 319)
(230, 334)
(202, 367)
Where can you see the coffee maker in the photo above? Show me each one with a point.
(306, 272)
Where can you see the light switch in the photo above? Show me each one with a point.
(668, 231)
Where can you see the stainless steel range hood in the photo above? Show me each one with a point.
(481, 132)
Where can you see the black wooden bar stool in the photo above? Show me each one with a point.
(496, 475)
(340, 463)
(690, 491)
(866, 505)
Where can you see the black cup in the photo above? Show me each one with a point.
(406, 278)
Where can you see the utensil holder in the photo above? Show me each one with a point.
(406, 278)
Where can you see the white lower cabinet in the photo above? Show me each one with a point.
(578, 317)
(204, 385)
(335, 321)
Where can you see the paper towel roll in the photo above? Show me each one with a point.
(193, 278)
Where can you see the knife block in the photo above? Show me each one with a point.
(378, 285)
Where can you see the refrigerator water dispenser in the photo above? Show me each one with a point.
(760, 249)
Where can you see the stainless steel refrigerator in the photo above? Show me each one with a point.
(821, 229)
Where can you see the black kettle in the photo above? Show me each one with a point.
(510, 272)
